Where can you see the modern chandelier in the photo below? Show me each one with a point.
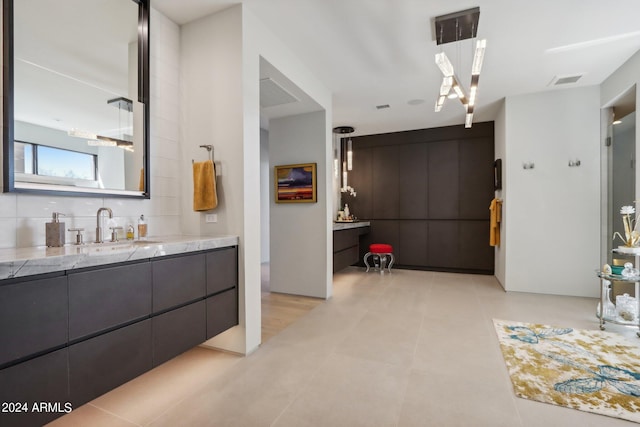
(451, 28)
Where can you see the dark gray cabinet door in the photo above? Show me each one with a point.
(108, 297)
(476, 178)
(386, 168)
(177, 331)
(413, 181)
(412, 250)
(443, 180)
(475, 252)
(222, 312)
(177, 281)
(43, 379)
(33, 317)
(222, 270)
(443, 246)
(103, 363)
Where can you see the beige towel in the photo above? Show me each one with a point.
(496, 218)
(141, 185)
(204, 186)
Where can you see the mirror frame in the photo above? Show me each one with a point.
(8, 181)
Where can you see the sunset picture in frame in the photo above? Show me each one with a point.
(295, 183)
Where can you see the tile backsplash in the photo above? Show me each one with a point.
(23, 217)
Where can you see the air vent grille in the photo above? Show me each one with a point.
(272, 94)
(566, 80)
(382, 107)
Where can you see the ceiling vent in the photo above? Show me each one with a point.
(382, 107)
(558, 81)
(272, 94)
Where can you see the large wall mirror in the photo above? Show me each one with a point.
(76, 92)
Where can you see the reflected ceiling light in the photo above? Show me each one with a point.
(78, 133)
(456, 27)
(617, 122)
(125, 141)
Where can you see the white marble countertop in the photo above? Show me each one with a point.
(20, 262)
(338, 226)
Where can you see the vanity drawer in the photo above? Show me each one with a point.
(177, 281)
(33, 317)
(222, 312)
(103, 363)
(106, 298)
(43, 379)
(177, 331)
(222, 270)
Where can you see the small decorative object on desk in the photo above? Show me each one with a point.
(631, 235)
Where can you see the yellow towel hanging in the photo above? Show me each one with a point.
(494, 223)
(204, 186)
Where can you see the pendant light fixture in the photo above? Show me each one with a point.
(456, 27)
(346, 152)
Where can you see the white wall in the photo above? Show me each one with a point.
(212, 113)
(220, 66)
(264, 196)
(298, 267)
(501, 152)
(552, 231)
(261, 43)
(22, 217)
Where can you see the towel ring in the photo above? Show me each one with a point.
(209, 148)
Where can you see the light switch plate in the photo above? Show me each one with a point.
(211, 217)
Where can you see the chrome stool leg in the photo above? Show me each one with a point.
(390, 263)
(366, 256)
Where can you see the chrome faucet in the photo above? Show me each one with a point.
(99, 226)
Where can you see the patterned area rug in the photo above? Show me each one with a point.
(592, 371)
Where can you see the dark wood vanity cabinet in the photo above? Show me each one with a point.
(73, 336)
(33, 317)
(346, 247)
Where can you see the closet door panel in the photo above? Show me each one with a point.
(442, 183)
(474, 245)
(413, 237)
(443, 249)
(386, 198)
(413, 181)
(476, 178)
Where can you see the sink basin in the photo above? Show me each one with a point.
(114, 246)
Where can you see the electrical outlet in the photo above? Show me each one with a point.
(211, 218)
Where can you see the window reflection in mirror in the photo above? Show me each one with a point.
(77, 117)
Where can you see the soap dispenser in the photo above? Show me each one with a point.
(55, 231)
(142, 228)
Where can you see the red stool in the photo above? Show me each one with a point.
(380, 252)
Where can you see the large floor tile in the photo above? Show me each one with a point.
(448, 398)
(351, 392)
(142, 399)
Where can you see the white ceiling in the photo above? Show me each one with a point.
(373, 52)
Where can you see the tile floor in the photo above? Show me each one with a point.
(408, 349)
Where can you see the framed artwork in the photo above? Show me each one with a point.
(295, 183)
